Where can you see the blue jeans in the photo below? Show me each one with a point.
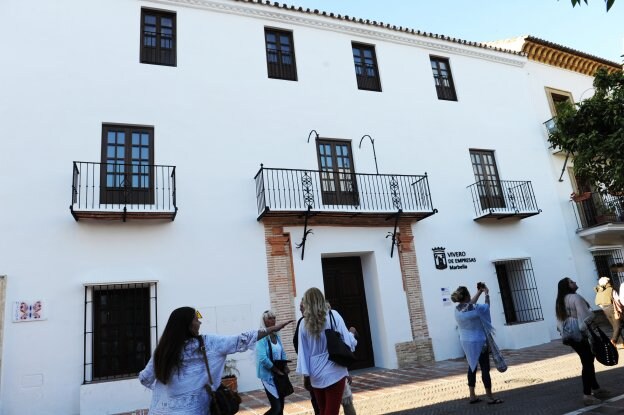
(484, 363)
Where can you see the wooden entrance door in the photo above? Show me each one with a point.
(344, 289)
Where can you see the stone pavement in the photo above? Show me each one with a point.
(542, 379)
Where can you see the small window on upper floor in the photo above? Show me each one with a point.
(556, 97)
(158, 37)
(280, 52)
(443, 78)
(366, 70)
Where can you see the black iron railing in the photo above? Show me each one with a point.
(128, 187)
(598, 209)
(503, 197)
(323, 191)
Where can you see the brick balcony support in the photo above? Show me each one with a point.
(420, 349)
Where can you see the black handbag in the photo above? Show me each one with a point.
(224, 401)
(338, 351)
(605, 352)
(282, 382)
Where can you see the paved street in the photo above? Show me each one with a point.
(543, 379)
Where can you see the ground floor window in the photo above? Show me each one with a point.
(120, 329)
(518, 290)
(610, 263)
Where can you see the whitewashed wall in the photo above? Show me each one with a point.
(217, 116)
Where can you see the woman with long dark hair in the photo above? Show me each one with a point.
(325, 377)
(570, 304)
(176, 372)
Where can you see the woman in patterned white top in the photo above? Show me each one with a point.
(176, 372)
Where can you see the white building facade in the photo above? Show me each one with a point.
(228, 155)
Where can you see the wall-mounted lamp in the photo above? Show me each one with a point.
(316, 135)
(374, 154)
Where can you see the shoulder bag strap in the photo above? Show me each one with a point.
(332, 322)
(203, 351)
(270, 347)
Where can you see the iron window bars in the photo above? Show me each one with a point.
(519, 293)
(120, 329)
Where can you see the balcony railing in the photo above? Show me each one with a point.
(288, 192)
(503, 198)
(123, 191)
(598, 209)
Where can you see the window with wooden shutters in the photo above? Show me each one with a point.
(366, 70)
(127, 171)
(443, 78)
(487, 179)
(280, 52)
(338, 182)
(158, 37)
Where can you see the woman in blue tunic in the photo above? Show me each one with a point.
(266, 354)
(471, 318)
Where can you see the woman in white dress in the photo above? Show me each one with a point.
(325, 377)
(176, 372)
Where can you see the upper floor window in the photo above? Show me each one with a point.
(120, 329)
(443, 78)
(158, 37)
(366, 70)
(556, 97)
(127, 172)
(280, 52)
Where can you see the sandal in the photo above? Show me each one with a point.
(495, 401)
(476, 400)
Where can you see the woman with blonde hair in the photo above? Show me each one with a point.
(270, 355)
(326, 378)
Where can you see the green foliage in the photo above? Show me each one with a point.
(592, 131)
(609, 3)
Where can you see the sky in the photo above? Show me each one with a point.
(586, 28)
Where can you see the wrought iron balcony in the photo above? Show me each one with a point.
(503, 199)
(113, 191)
(594, 209)
(349, 198)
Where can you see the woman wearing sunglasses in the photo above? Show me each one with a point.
(176, 372)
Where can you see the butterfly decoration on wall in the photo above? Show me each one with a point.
(28, 311)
